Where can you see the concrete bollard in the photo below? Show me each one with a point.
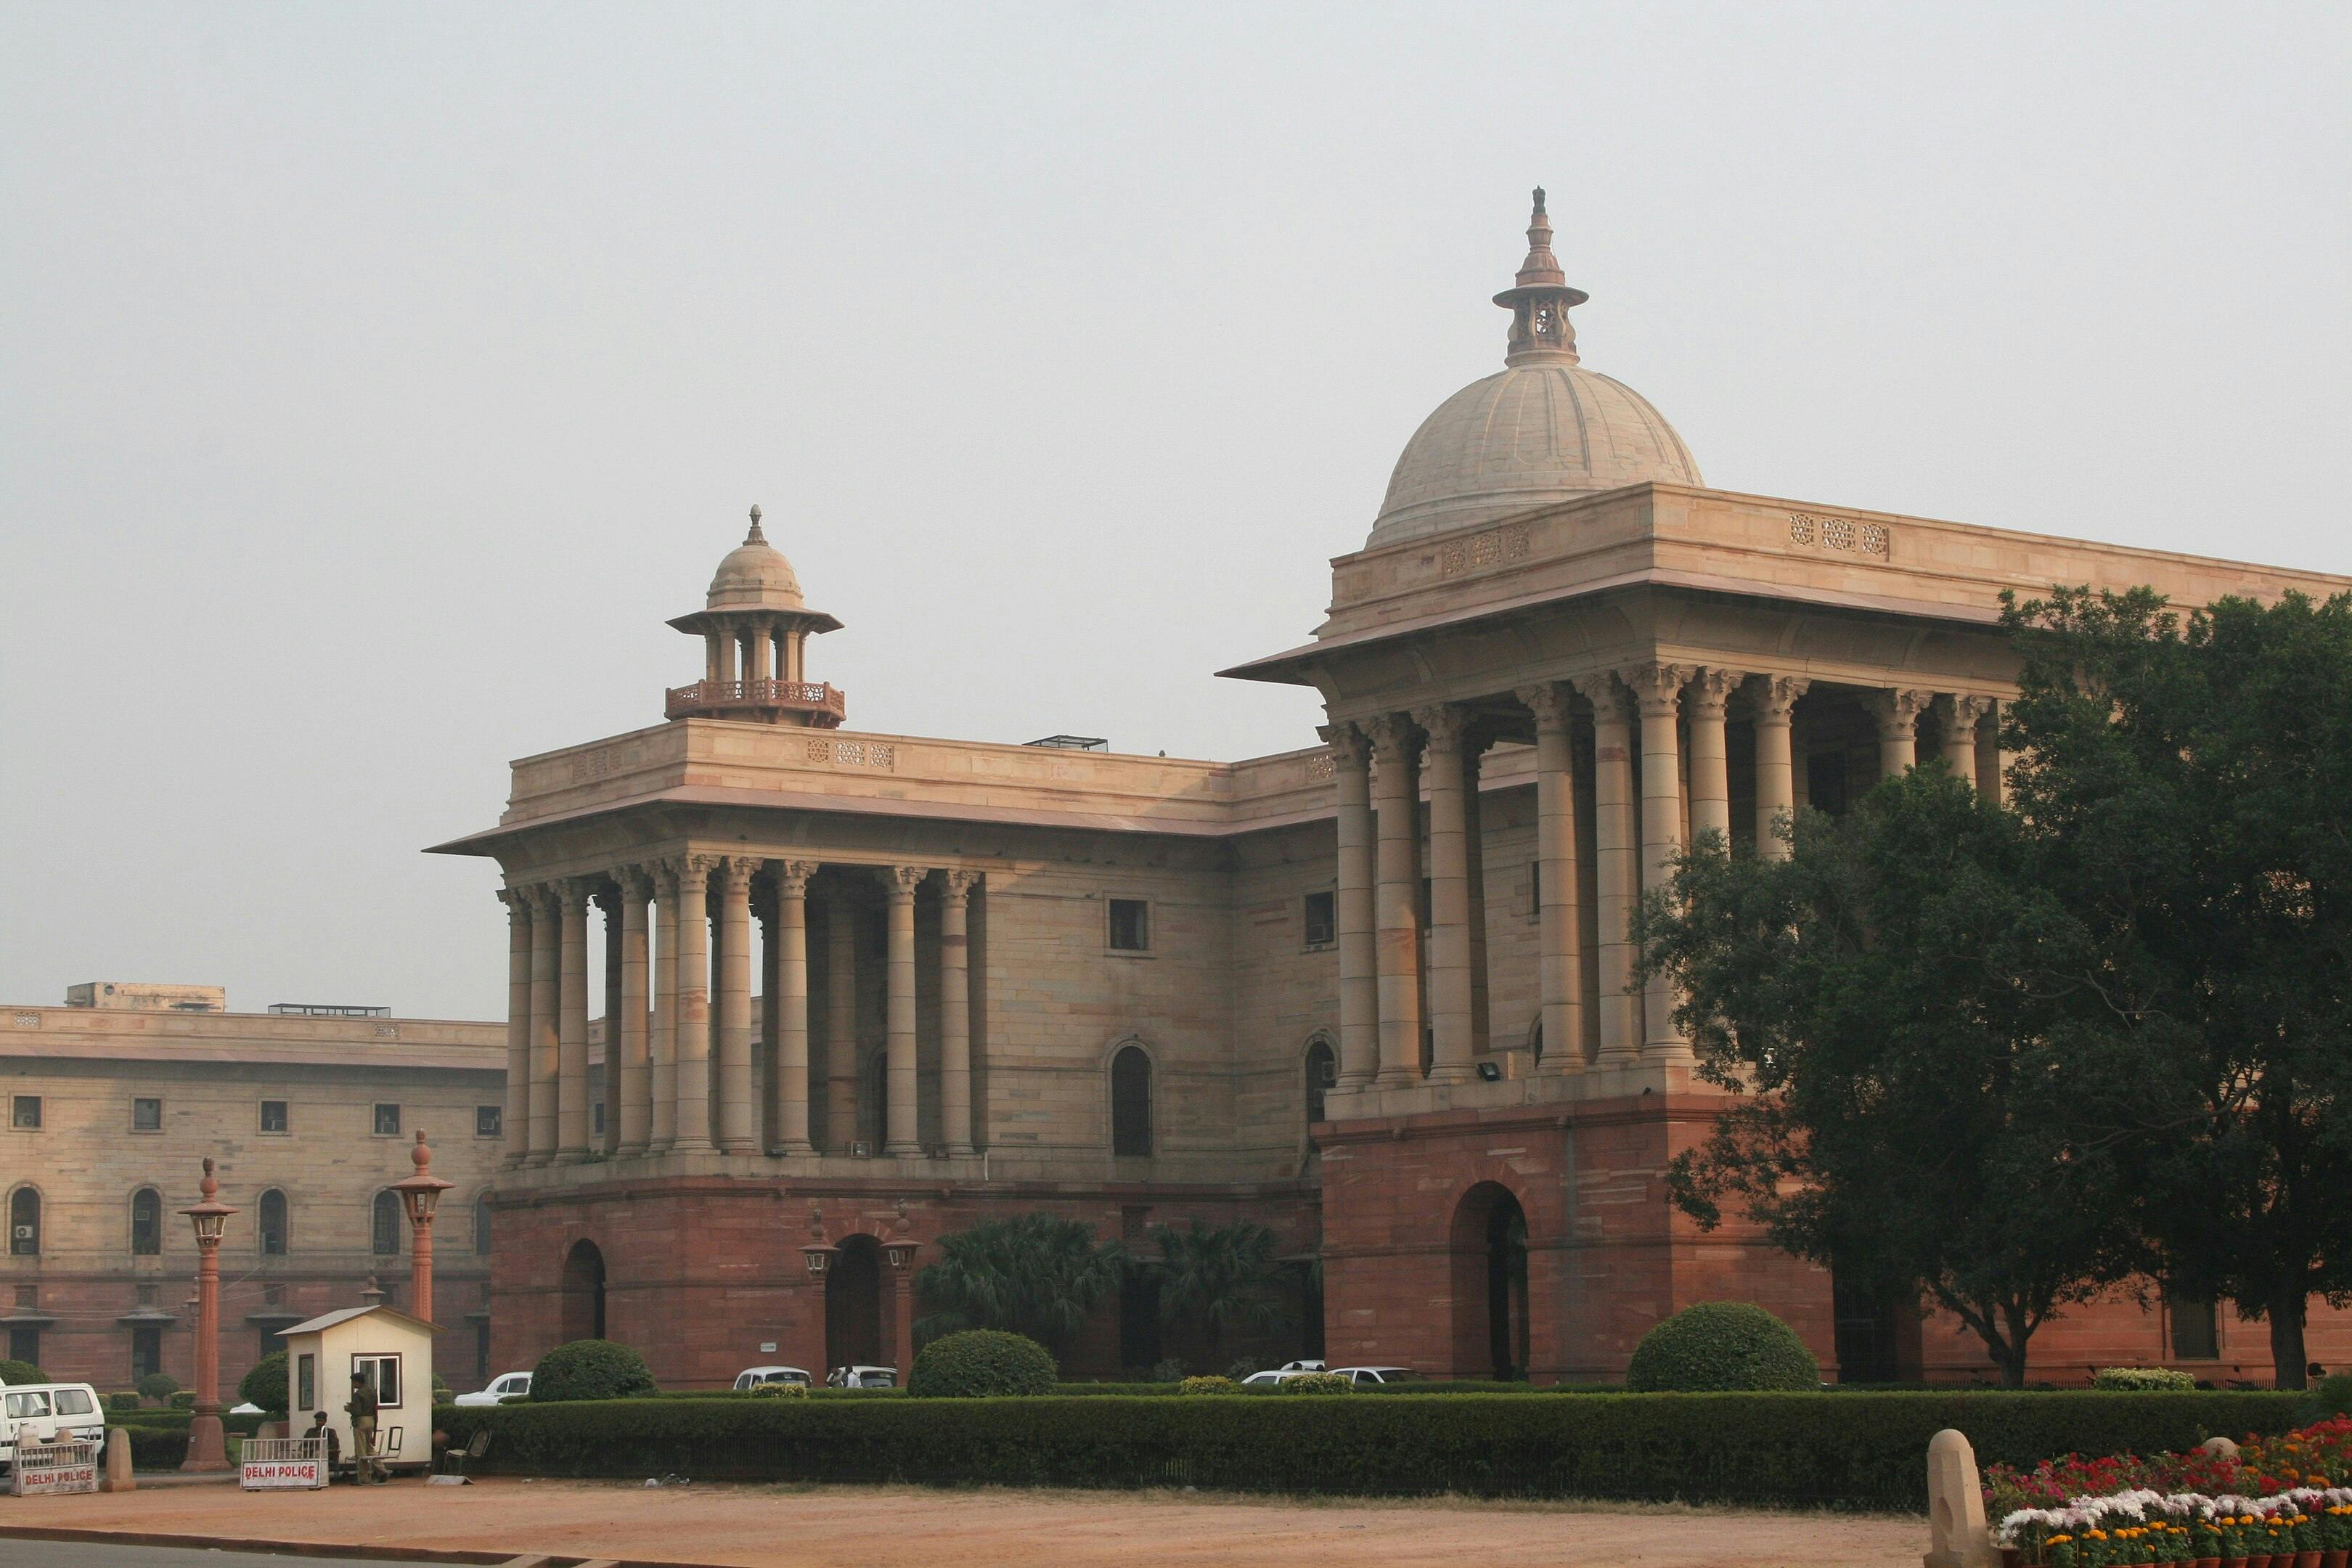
(1957, 1536)
(118, 1478)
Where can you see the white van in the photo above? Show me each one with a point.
(47, 1411)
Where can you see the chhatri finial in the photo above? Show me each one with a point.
(755, 536)
(1539, 300)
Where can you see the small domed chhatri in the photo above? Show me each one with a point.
(1542, 430)
(755, 628)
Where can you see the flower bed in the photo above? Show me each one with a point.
(2269, 1501)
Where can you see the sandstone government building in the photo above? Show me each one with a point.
(1373, 993)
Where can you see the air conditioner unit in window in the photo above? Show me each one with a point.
(861, 1149)
(24, 1233)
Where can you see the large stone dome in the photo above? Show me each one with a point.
(755, 576)
(1542, 430)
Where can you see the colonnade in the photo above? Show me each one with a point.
(1404, 974)
(680, 1036)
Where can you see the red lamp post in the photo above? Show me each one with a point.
(820, 1259)
(901, 1253)
(421, 1196)
(206, 1451)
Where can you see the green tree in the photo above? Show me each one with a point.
(1894, 1005)
(2193, 776)
(1220, 1278)
(1033, 1274)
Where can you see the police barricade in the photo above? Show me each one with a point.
(282, 1464)
(52, 1469)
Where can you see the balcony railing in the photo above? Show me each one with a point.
(823, 705)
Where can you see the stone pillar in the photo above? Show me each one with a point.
(636, 1040)
(1360, 993)
(517, 1114)
(738, 1111)
(788, 1080)
(714, 655)
(571, 1055)
(1616, 862)
(955, 1010)
(1897, 713)
(663, 1054)
(1960, 714)
(760, 668)
(900, 1020)
(1657, 690)
(1473, 877)
(608, 899)
(841, 1022)
(1559, 947)
(1450, 1020)
(546, 1040)
(1775, 700)
(1397, 898)
(1710, 768)
(693, 1002)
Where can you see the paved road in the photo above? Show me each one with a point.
(91, 1555)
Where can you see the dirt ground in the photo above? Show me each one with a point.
(868, 1527)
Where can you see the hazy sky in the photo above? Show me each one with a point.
(375, 380)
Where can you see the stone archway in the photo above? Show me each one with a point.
(1489, 1254)
(584, 1291)
(856, 1307)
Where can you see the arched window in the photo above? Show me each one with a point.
(482, 1227)
(386, 1237)
(1322, 1072)
(271, 1223)
(24, 1222)
(1130, 1101)
(146, 1223)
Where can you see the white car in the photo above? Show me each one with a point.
(1305, 1366)
(862, 1377)
(762, 1376)
(513, 1385)
(1268, 1379)
(1369, 1377)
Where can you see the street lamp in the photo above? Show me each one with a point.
(901, 1253)
(206, 1451)
(421, 1196)
(820, 1259)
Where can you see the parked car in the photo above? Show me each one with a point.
(247, 1408)
(43, 1412)
(862, 1377)
(1304, 1366)
(760, 1376)
(1268, 1379)
(1367, 1377)
(513, 1385)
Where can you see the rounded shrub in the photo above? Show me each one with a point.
(589, 1369)
(158, 1386)
(1721, 1346)
(266, 1385)
(1317, 1383)
(1208, 1385)
(184, 1400)
(2143, 1380)
(2335, 1393)
(122, 1401)
(21, 1371)
(977, 1364)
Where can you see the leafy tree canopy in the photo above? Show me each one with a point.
(1034, 1274)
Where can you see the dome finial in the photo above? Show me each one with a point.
(755, 536)
(1539, 300)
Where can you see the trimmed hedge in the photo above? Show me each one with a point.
(1842, 1450)
(982, 1363)
(1721, 1346)
(590, 1370)
(152, 1420)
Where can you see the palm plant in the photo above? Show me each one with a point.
(1221, 1278)
(1034, 1274)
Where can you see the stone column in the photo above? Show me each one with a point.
(1473, 877)
(1559, 948)
(517, 1115)
(1450, 1021)
(693, 1003)
(663, 1054)
(841, 1022)
(546, 1040)
(1616, 863)
(714, 655)
(760, 669)
(1397, 898)
(608, 899)
(738, 1131)
(1775, 699)
(637, 1041)
(766, 1083)
(900, 1020)
(1710, 768)
(1960, 714)
(1897, 713)
(955, 1009)
(1658, 690)
(571, 1055)
(1360, 992)
(788, 1082)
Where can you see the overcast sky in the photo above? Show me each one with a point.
(374, 380)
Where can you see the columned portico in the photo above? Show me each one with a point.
(546, 1046)
(1773, 705)
(662, 1080)
(789, 1089)
(1961, 714)
(1896, 713)
(841, 1021)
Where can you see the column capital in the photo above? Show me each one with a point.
(1963, 711)
(1656, 686)
(605, 895)
(792, 878)
(517, 903)
(900, 881)
(1548, 701)
(637, 882)
(697, 865)
(1445, 725)
(957, 883)
(1394, 739)
(1896, 710)
(1774, 697)
(735, 872)
(1601, 688)
(1711, 688)
(1350, 745)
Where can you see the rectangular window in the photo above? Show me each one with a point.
(75, 1402)
(305, 1381)
(482, 1352)
(383, 1372)
(273, 1116)
(489, 1122)
(387, 1122)
(1130, 925)
(25, 1113)
(2196, 1333)
(1322, 920)
(25, 1343)
(146, 1115)
(146, 1350)
(596, 1099)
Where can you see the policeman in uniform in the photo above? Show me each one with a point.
(362, 1408)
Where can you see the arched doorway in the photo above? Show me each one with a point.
(855, 1305)
(583, 1292)
(1489, 1245)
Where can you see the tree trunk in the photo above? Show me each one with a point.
(2285, 1310)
